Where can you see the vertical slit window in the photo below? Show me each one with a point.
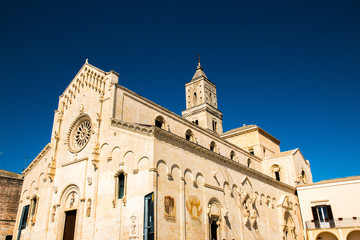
(121, 182)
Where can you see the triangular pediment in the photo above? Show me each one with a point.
(89, 77)
(246, 181)
(285, 202)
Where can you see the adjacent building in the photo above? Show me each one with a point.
(119, 166)
(330, 209)
(10, 190)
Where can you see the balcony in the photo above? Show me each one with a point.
(336, 223)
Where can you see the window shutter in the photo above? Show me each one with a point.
(330, 215)
(314, 212)
(329, 212)
(316, 218)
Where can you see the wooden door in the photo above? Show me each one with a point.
(69, 229)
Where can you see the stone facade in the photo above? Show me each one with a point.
(119, 166)
(10, 190)
(330, 209)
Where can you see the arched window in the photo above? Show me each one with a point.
(303, 176)
(276, 172)
(214, 125)
(232, 155)
(213, 146)
(120, 187)
(121, 184)
(189, 135)
(160, 122)
(195, 122)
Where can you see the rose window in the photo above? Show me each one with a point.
(79, 134)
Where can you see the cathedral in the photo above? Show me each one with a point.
(119, 166)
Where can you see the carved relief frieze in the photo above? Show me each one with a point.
(248, 208)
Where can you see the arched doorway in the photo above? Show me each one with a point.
(326, 236)
(288, 227)
(214, 213)
(354, 235)
(69, 213)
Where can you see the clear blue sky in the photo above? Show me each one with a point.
(291, 67)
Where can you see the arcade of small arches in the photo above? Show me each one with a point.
(275, 170)
(334, 235)
(246, 197)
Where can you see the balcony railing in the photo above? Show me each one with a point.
(336, 223)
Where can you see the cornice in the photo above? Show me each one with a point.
(239, 132)
(168, 113)
(199, 79)
(36, 160)
(157, 132)
(201, 108)
(147, 130)
(252, 129)
(330, 183)
(221, 159)
(181, 120)
(269, 136)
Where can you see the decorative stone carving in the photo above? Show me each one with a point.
(225, 211)
(53, 213)
(89, 179)
(81, 109)
(288, 227)
(248, 206)
(253, 217)
(170, 177)
(133, 228)
(193, 207)
(72, 199)
(88, 208)
(169, 208)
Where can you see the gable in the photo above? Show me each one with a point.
(88, 77)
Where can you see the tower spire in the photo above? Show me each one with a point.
(199, 71)
(199, 64)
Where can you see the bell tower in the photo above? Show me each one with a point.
(201, 102)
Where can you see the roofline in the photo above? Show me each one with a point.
(188, 123)
(194, 80)
(251, 129)
(331, 182)
(89, 65)
(156, 132)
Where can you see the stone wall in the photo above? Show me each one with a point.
(10, 187)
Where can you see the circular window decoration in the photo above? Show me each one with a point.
(79, 133)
